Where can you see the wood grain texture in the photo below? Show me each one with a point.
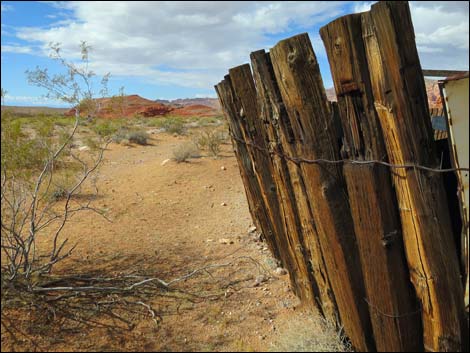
(277, 198)
(401, 104)
(313, 136)
(275, 127)
(394, 315)
(258, 209)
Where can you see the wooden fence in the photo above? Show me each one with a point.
(349, 195)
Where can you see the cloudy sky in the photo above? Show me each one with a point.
(170, 50)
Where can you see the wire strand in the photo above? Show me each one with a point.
(298, 160)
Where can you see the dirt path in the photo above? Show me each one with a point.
(168, 220)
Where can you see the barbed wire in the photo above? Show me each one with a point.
(299, 160)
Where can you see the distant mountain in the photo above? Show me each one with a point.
(127, 106)
(134, 105)
(184, 102)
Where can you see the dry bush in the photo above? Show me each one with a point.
(312, 333)
(210, 140)
(185, 151)
(139, 137)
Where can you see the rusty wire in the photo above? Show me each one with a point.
(299, 160)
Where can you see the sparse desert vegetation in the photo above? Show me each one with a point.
(149, 208)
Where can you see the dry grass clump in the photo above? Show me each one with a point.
(138, 136)
(185, 151)
(311, 333)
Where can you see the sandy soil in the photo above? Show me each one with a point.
(168, 220)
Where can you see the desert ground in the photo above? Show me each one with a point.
(166, 219)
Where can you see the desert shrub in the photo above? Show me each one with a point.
(208, 121)
(139, 137)
(185, 151)
(22, 154)
(62, 183)
(92, 143)
(105, 128)
(312, 333)
(210, 140)
(120, 135)
(172, 125)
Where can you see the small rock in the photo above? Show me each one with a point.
(260, 279)
(209, 240)
(165, 161)
(84, 148)
(251, 229)
(223, 168)
(225, 241)
(223, 204)
(280, 271)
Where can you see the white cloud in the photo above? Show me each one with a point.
(192, 44)
(5, 7)
(184, 43)
(33, 101)
(441, 32)
(17, 49)
(362, 6)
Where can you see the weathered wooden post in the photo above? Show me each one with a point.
(401, 104)
(392, 302)
(273, 116)
(258, 209)
(280, 206)
(301, 87)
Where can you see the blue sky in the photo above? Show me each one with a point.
(168, 50)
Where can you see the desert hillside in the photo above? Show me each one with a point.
(134, 105)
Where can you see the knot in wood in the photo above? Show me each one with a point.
(338, 43)
(389, 238)
(311, 59)
(292, 57)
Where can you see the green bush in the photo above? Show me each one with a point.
(106, 128)
(20, 153)
(171, 125)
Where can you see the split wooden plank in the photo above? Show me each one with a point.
(299, 80)
(275, 190)
(259, 212)
(401, 104)
(394, 315)
(275, 120)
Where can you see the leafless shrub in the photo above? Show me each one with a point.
(35, 200)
